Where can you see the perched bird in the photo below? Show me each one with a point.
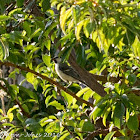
(65, 72)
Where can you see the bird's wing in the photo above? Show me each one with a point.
(69, 71)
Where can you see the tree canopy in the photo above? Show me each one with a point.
(99, 39)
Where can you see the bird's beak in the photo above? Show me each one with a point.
(52, 59)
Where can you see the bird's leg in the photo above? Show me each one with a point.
(70, 83)
(82, 85)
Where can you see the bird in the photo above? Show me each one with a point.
(65, 72)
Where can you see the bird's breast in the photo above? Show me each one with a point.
(64, 76)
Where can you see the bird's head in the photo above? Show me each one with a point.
(57, 60)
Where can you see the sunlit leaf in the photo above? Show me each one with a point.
(30, 77)
(46, 59)
(11, 109)
(109, 135)
(67, 97)
(4, 17)
(64, 15)
(10, 116)
(105, 116)
(98, 110)
(64, 136)
(47, 100)
(4, 49)
(78, 29)
(136, 46)
(57, 105)
(48, 44)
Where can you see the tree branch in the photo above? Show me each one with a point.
(48, 79)
(86, 76)
(104, 132)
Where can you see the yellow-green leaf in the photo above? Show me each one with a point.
(64, 15)
(105, 116)
(30, 77)
(46, 59)
(136, 47)
(10, 116)
(57, 105)
(78, 29)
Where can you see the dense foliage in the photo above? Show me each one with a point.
(100, 39)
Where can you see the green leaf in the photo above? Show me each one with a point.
(80, 93)
(11, 133)
(98, 110)
(27, 27)
(25, 107)
(106, 115)
(46, 5)
(46, 59)
(10, 116)
(64, 136)
(118, 114)
(88, 27)
(35, 33)
(29, 47)
(29, 93)
(64, 15)
(67, 97)
(11, 109)
(8, 124)
(48, 44)
(87, 95)
(81, 55)
(88, 127)
(30, 77)
(4, 49)
(47, 100)
(1, 53)
(49, 27)
(1, 111)
(132, 79)
(20, 3)
(45, 121)
(109, 135)
(136, 47)
(76, 13)
(13, 73)
(33, 125)
(135, 99)
(4, 17)
(15, 89)
(78, 29)
(17, 10)
(20, 117)
(96, 96)
(133, 122)
(57, 105)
